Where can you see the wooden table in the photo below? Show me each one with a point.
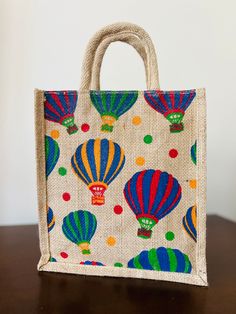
(24, 290)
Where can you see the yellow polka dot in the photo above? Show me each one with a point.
(193, 184)
(136, 120)
(111, 241)
(140, 161)
(55, 134)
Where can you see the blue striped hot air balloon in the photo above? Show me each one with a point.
(97, 163)
(79, 227)
(59, 107)
(111, 105)
(162, 259)
(190, 222)
(171, 104)
(50, 219)
(52, 153)
(151, 195)
(194, 153)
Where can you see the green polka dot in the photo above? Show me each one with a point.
(118, 265)
(147, 139)
(170, 236)
(62, 171)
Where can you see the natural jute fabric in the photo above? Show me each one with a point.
(158, 166)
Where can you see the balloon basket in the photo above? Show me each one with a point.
(86, 252)
(98, 200)
(107, 128)
(72, 129)
(176, 127)
(145, 234)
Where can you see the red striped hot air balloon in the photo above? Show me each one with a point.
(151, 195)
(59, 107)
(171, 104)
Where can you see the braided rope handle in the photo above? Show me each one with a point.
(101, 50)
(125, 32)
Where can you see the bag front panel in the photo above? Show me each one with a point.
(125, 196)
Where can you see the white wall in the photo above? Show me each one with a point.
(42, 45)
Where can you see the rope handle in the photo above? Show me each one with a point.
(125, 32)
(101, 50)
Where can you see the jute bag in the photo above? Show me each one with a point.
(122, 174)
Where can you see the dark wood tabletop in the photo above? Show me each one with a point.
(24, 290)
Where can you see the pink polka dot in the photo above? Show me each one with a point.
(173, 153)
(118, 209)
(85, 127)
(64, 254)
(66, 196)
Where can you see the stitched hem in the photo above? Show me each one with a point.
(108, 271)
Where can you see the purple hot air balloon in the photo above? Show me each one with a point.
(59, 107)
(151, 195)
(171, 104)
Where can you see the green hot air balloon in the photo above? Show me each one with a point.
(79, 227)
(52, 153)
(111, 105)
(193, 152)
(162, 259)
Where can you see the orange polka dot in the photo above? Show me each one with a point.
(55, 134)
(136, 120)
(140, 161)
(111, 241)
(193, 184)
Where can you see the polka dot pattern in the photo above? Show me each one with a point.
(62, 171)
(111, 241)
(136, 120)
(136, 160)
(66, 196)
(64, 254)
(118, 209)
(140, 161)
(173, 153)
(193, 184)
(148, 139)
(55, 134)
(118, 264)
(85, 127)
(170, 236)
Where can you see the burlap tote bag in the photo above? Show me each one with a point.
(122, 174)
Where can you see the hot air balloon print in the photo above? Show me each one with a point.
(91, 263)
(97, 163)
(79, 227)
(172, 105)
(194, 153)
(151, 195)
(190, 222)
(111, 105)
(50, 219)
(59, 107)
(162, 259)
(52, 153)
